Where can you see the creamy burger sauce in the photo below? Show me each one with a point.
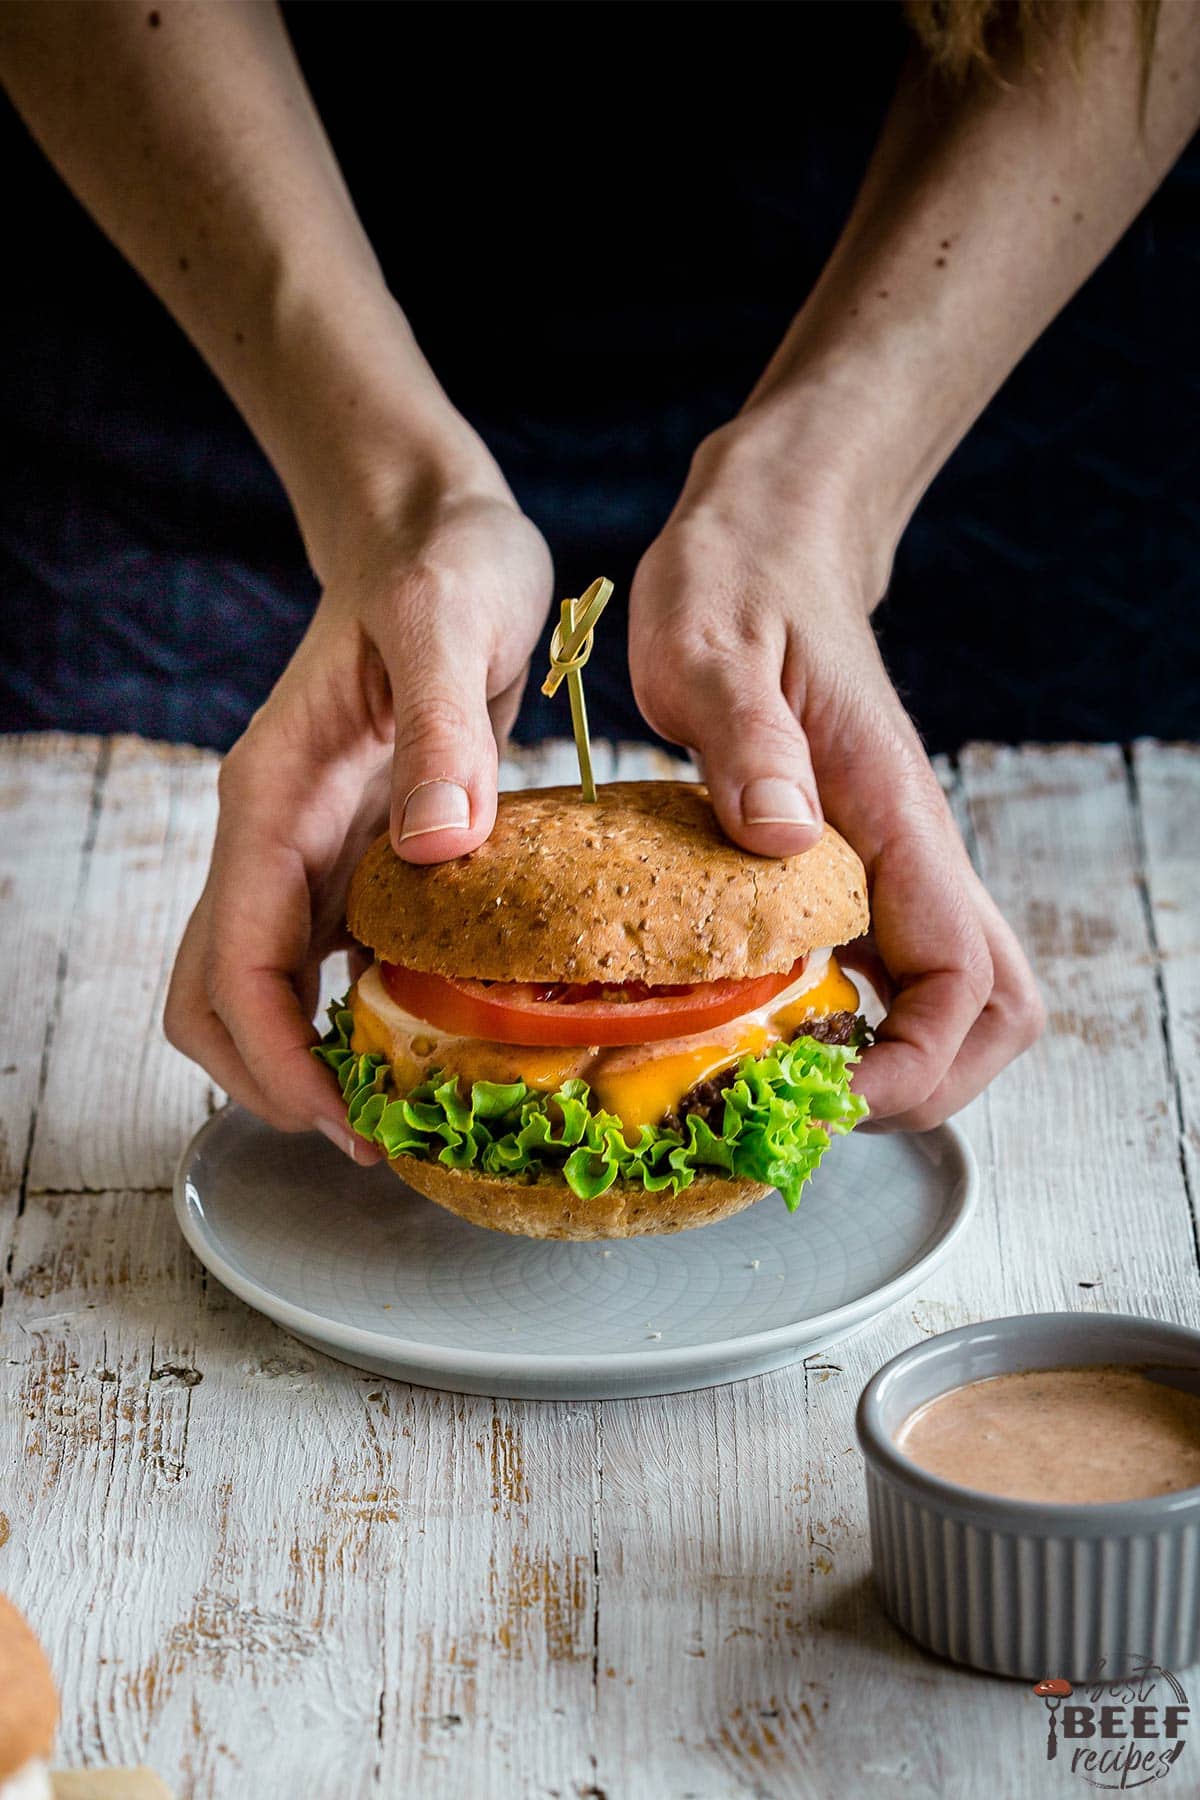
(1073, 1435)
(639, 1082)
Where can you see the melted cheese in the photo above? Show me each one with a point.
(834, 993)
(372, 1035)
(643, 1095)
(639, 1083)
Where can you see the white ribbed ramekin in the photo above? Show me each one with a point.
(1013, 1586)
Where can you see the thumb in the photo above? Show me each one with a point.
(755, 760)
(444, 764)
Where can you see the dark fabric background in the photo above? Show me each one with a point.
(594, 311)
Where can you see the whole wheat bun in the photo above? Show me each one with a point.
(642, 885)
(28, 1701)
(547, 1208)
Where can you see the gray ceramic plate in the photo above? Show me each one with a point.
(355, 1265)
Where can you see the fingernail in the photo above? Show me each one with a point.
(772, 800)
(435, 806)
(341, 1135)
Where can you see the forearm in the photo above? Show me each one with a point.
(980, 215)
(195, 145)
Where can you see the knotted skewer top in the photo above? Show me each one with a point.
(570, 648)
(574, 634)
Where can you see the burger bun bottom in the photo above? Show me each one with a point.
(547, 1208)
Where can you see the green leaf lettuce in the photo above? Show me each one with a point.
(779, 1110)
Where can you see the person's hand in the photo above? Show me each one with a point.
(392, 706)
(750, 644)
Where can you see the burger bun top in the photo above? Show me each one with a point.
(641, 885)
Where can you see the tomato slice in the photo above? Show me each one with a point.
(567, 1013)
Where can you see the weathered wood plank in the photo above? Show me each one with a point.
(1092, 1207)
(490, 1636)
(119, 1103)
(48, 790)
(1168, 784)
(47, 801)
(202, 1515)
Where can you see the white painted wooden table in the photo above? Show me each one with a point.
(269, 1576)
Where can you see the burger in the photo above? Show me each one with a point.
(607, 1020)
(28, 1710)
